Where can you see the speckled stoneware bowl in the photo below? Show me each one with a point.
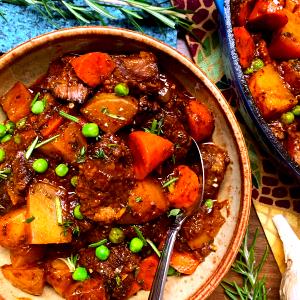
(30, 60)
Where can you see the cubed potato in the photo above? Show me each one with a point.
(184, 262)
(26, 255)
(286, 42)
(12, 228)
(44, 229)
(16, 103)
(146, 202)
(270, 93)
(110, 112)
(28, 279)
(68, 145)
(58, 275)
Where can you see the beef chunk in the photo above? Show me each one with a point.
(63, 83)
(138, 71)
(291, 73)
(174, 131)
(19, 180)
(121, 261)
(293, 145)
(104, 183)
(215, 163)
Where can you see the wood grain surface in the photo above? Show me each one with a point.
(270, 269)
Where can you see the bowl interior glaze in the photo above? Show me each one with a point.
(29, 61)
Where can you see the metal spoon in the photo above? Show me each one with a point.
(157, 289)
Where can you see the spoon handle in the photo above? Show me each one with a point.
(159, 282)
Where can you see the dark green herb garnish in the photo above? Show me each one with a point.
(156, 127)
(97, 244)
(105, 111)
(170, 181)
(66, 225)
(81, 156)
(29, 220)
(42, 143)
(140, 234)
(174, 212)
(4, 173)
(76, 231)
(100, 154)
(69, 117)
(31, 148)
(152, 245)
(138, 199)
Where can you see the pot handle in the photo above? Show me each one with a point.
(220, 6)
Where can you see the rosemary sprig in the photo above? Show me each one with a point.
(134, 10)
(105, 111)
(97, 244)
(100, 154)
(253, 287)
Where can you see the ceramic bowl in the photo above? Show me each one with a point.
(247, 106)
(30, 60)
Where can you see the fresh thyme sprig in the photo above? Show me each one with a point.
(253, 288)
(134, 10)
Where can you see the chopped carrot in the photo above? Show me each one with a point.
(184, 262)
(16, 103)
(267, 15)
(200, 120)
(286, 42)
(245, 46)
(93, 68)
(147, 271)
(184, 192)
(52, 125)
(149, 151)
(244, 12)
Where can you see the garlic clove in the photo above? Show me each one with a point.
(290, 283)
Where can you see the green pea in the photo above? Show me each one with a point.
(80, 274)
(2, 155)
(90, 130)
(257, 64)
(77, 213)
(61, 170)
(74, 181)
(10, 127)
(40, 165)
(102, 252)
(287, 118)
(296, 110)
(121, 89)
(209, 203)
(116, 235)
(136, 245)
(38, 107)
(6, 138)
(2, 130)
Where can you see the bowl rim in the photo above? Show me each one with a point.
(246, 184)
(274, 146)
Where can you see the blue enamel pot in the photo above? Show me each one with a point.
(249, 111)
